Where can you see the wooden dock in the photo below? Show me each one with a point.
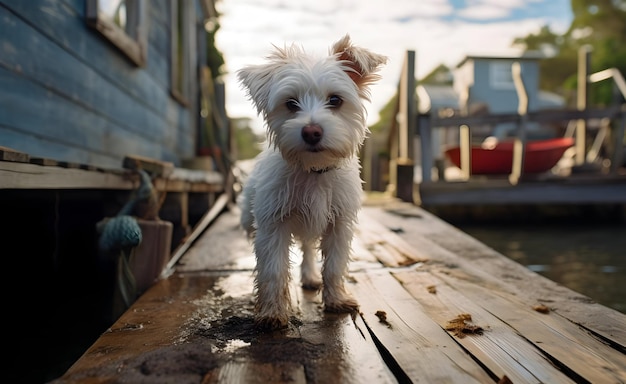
(437, 306)
(593, 189)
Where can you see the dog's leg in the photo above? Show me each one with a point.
(273, 302)
(310, 277)
(336, 248)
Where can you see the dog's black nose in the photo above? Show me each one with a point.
(312, 134)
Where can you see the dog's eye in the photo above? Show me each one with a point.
(292, 105)
(334, 101)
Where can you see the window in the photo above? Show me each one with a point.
(123, 23)
(180, 56)
(500, 75)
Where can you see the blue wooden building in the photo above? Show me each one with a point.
(91, 81)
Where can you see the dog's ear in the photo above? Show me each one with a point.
(256, 79)
(361, 64)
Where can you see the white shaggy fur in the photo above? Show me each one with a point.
(306, 185)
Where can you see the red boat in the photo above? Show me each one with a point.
(540, 156)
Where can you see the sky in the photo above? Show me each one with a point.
(439, 31)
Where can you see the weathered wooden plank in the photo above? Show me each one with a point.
(388, 248)
(601, 191)
(197, 175)
(30, 176)
(547, 116)
(423, 351)
(449, 246)
(10, 154)
(188, 185)
(500, 346)
(237, 372)
(44, 161)
(34, 176)
(346, 351)
(563, 342)
(155, 324)
(154, 166)
(200, 187)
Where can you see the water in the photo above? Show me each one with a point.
(588, 258)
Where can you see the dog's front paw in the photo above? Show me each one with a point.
(271, 323)
(347, 304)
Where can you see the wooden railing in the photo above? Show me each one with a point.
(407, 123)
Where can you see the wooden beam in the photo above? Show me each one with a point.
(50, 174)
(406, 131)
(544, 116)
(29, 176)
(519, 146)
(584, 55)
(10, 154)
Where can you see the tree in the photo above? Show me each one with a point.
(215, 59)
(600, 24)
(247, 142)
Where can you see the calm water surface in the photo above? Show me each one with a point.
(589, 259)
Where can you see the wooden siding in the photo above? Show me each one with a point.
(67, 93)
(502, 100)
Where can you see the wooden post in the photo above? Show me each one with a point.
(393, 157)
(406, 131)
(618, 144)
(153, 254)
(584, 55)
(465, 150)
(425, 128)
(465, 137)
(519, 146)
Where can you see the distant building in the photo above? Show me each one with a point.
(484, 85)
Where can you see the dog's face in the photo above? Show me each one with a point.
(313, 108)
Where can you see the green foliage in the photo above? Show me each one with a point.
(215, 59)
(440, 75)
(599, 24)
(247, 142)
(386, 116)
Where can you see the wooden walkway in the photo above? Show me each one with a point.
(437, 306)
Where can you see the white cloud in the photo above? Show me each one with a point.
(433, 28)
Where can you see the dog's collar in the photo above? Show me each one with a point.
(323, 170)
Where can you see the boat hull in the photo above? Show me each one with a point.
(540, 156)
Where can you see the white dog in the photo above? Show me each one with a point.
(306, 185)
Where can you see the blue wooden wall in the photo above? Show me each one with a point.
(67, 93)
(504, 100)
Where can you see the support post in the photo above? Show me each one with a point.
(465, 138)
(406, 131)
(465, 150)
(618, 144)
(425, 128)
(584, 55)
(519, 146)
